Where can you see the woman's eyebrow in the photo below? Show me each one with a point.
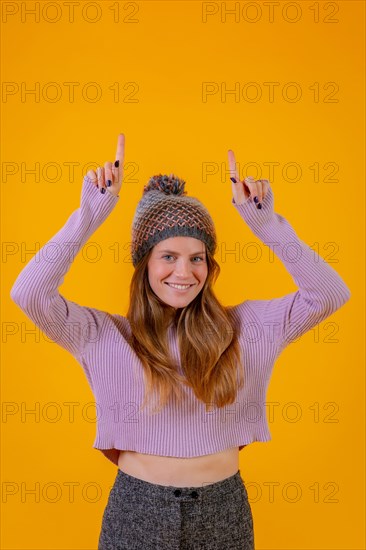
(177, 253)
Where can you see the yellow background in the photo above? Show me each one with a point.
(168, 53)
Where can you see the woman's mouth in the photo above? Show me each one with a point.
(179, 288)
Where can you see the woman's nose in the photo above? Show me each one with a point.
(183, 268)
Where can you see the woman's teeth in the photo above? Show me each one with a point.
(179, 287)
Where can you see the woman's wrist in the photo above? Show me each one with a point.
(255, 217)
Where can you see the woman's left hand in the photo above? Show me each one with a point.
(248, 188)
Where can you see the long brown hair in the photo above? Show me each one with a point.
(207, 339)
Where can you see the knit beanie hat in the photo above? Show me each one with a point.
(165, 211)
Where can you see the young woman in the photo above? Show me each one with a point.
(180, 382)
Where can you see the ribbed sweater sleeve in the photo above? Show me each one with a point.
(35, 290)
(321, 291)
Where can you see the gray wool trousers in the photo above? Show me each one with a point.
(144, 516)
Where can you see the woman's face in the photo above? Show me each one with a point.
(180, 261)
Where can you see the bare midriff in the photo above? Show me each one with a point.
(180, 472)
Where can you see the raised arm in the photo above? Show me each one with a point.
(321, 291)
(35, 290)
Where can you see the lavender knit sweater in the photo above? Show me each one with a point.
(99, 340)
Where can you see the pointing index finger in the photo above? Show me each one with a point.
(232, 165)
(240, 190)
(120, 153)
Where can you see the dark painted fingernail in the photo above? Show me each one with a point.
(259, 206)
(256, 199)
(109, 183)
(233, 180)
(116, 164)
(102, 190)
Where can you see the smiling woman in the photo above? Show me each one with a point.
(210, 365)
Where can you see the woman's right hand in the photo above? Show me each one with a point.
(111, 171)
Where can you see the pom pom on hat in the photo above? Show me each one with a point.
(169, 185)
